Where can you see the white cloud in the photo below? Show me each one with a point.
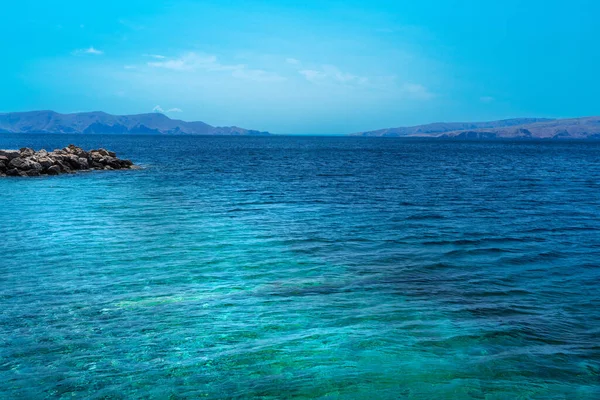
(333, 74)
(417, 91)
(187, 62)
(312, 75)
(90, 50)
(157, 56)
(292, 61)
(159, 109)
(486, 99)
(257, 75)
(194, 62)
(129, 67)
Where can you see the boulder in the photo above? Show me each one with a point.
(78, 151)
(12, 172)
(10, 154)
(64, 167)
(53, 170)
(95, 156)
(24, 164)
(83, 163)
(26, 152)
(126, 163)
(46, 162)
(112, 162)
(74, 162)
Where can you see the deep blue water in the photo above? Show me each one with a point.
(282, 267)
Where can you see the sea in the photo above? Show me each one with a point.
(303, 268)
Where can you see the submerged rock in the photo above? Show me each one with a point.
(28, 162)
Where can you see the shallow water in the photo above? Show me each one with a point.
(233, 267)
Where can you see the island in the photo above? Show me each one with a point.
(585, 128)
(98, 122)
(28, 162)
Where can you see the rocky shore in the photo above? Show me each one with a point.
(27, 162)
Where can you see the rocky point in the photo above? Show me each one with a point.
(27, 162)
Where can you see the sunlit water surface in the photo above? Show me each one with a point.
(304, 268)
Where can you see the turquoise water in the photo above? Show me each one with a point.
(304, 268)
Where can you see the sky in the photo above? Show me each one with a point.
(303, 67)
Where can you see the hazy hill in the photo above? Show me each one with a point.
(100, 122)
(522, 128)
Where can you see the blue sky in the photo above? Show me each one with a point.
(304, 66)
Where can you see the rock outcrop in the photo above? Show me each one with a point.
(27, 162)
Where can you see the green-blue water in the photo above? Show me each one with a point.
(304, 268)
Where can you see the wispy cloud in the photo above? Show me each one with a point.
(159, 109)
(90, 50)
(332, 73)
(312, 75)
(197, 62)
(156, 56)
(292, 61)
(417, 91)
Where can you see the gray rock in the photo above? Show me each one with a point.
(63, 166)
(78, 151)
(73, 161)
(112, 162)
(26, 152)
(12, 172)
(83, 163)
(125, 163)
(10, 154)
(24, 164)
(46, 162)
(95, 156)
(53, 170)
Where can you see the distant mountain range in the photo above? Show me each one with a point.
(159, 124)
(518, 128)
(101, 122)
